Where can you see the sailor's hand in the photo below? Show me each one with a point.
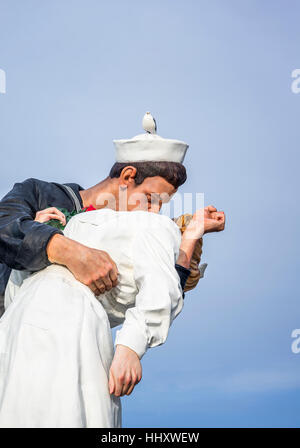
(125, 371)
(95, 269)
(92, 267)
(50, 213)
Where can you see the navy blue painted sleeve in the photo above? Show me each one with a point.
(183, 275)
(23, 241)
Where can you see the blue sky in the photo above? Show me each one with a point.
(216, 74)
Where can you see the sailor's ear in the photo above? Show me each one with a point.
(127, 176)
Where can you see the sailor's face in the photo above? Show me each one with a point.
(150, 194)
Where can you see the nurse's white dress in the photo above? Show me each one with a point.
(56, 346)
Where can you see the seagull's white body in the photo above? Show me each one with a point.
(149, 123)
(149, 146)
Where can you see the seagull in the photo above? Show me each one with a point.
(149, 123)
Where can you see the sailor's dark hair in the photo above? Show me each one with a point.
(172, 172)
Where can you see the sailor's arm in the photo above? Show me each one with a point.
(30, 244)
(23, 240)
(92, 267)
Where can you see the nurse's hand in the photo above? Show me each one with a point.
(204, 221)
(214, 220)
(125, 371)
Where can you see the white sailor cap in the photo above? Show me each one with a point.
(150, 146)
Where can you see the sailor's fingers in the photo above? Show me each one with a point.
(100, 285)
(106, 281)
(108, 273)
(95, 289)
(94, 268)
(113, 275)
